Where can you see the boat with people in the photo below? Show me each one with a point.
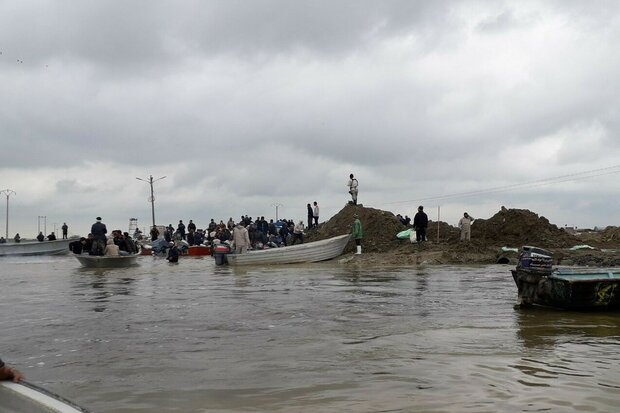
(107, 261)
(538, 283)
(323, 250)
(56, 247)
(24, 397)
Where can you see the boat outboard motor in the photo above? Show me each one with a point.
(220, 251)
(535, 259)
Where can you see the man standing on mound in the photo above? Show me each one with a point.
(352, 184)
(420, 222)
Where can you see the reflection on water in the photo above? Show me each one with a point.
(540, 328)
(194, 337)
(103, 284)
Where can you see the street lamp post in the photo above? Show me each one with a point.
(8, 193)
(276, 205)
(152, 197)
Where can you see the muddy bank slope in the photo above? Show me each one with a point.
(510, 228)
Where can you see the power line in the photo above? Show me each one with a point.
(531, 184)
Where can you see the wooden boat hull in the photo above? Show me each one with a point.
(27, 398)
(198, 250)
(60, 246)
(309, 252)
(98, 261)
(590, 290)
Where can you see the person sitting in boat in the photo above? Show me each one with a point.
(9, 373)
(284, 233)
(298, 233)
(173, 253)
(199, 237)
(17, 238)
(88, 244)
(119, 241)
(223, 234)
(130, 245)
(137, 234)
(2, 240)
(78, 246)
(40, 237)
(272, 242)
(111, 249)
(51, 237)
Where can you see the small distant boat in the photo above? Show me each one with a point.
(309, 252)
(106, 261)
(25, 397)
(60, 246)
(577, 289)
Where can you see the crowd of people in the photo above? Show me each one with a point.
(246, 233)
(97, 242)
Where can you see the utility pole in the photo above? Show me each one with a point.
(276, 205)
(44, 219)
(152, 197)
(8, 193)
(438, 219)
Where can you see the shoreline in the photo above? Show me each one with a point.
(444, 254)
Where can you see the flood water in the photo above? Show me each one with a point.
(193, 337)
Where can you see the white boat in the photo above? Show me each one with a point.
(60, 246)
(27, 398)
(309, 252)
(106, 261)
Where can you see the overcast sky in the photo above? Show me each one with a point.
(243, 105)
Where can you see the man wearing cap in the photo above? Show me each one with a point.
(420, 222)
(99, 232)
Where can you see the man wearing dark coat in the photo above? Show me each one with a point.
(99, 232)
(420, 222)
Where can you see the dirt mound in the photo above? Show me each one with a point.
(508, 227)
(379, 227)
(518, 227)
(610, 235)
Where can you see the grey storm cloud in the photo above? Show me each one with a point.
(243, 104)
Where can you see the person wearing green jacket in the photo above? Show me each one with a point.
(357, 233)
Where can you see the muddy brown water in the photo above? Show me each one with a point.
(193, 337)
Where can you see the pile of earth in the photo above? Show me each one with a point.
(508, 227)
(610, 236)
(518, 227)
(379, 228)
